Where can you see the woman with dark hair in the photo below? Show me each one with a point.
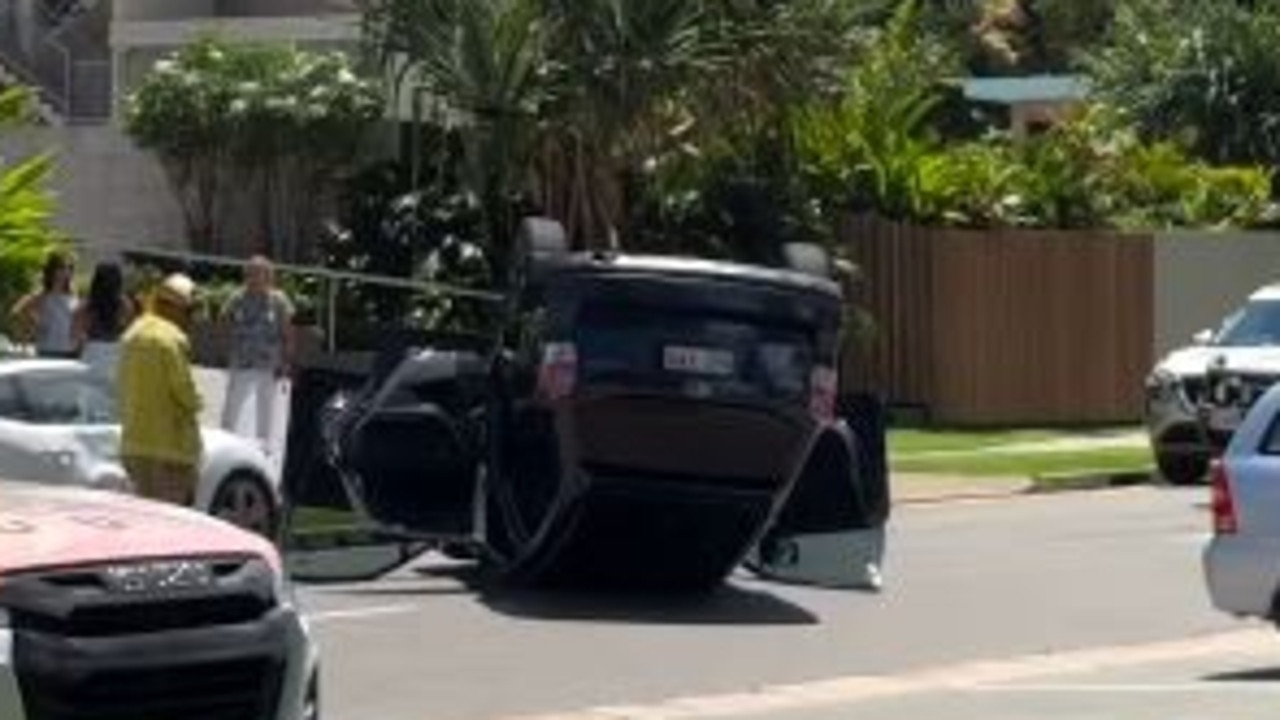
(102, 319)
(48, 315)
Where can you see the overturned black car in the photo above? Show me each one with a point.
(640, 422)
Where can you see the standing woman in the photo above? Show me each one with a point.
(49, 314)
(102, 319)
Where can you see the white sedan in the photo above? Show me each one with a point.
(58, 425)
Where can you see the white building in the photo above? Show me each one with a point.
(84, 56)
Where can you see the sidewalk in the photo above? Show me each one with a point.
(917, 489)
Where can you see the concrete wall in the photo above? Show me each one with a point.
(108, 190)
(164, 9)
(183, 9)
(280, 8)
(181, 31)
(1202, 276)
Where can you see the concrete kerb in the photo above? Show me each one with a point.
(1090, 481)
(912, 489)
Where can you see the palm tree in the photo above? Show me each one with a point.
(573, 100)
(485, 60)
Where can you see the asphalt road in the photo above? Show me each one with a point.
(1074, 606)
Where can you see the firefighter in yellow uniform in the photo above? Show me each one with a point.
(159, 402)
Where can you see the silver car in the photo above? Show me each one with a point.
(1242, 560)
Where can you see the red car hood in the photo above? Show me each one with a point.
(44, 527)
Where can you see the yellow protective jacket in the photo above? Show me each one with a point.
(159, 402)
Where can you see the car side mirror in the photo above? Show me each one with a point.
(1204, 337)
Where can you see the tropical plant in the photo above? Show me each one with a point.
(866, 151)
(27, 234)
(582, 104)
(485, 61)
(271, 121)
(1020, 37)
(1200, 72)
(430, 234)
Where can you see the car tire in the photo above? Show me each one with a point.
(1182, 469)
(244, 499)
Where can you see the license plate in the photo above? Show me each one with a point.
(697, 361)
(1225, 418)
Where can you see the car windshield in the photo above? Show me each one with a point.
(1257, 324)
(67, 399)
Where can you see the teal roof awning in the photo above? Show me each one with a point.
(1026, 89)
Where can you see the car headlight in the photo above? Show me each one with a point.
(1162, 385)
(1161, 377)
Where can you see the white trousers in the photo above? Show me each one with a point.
(264, 387)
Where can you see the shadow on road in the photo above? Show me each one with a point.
(730, 605)
(1257, 675)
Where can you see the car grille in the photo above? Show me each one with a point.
(234, 690)
(1195, 390)
(87, 647)
(1237, 389)
(81, 604)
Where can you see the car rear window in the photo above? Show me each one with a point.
(642, 345)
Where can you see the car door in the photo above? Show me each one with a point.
(70, 415)
(831, 530)
(380, 465)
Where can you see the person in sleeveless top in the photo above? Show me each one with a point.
(259, 318)
(48, 315)
(102, 319)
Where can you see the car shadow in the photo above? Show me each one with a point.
(734, 603)
(730, 604)
(1260, 675)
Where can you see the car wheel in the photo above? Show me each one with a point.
(245, 500)
(1183, 469)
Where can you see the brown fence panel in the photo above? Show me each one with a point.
(1007, 327)
(897, 293)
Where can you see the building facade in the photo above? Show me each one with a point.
(85, 56)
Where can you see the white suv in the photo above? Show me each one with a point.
(1198, 395)
(117, 608)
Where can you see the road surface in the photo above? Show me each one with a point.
(1073, 606)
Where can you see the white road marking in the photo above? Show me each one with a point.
(967, 676)
(1189, 688)
(359, 613)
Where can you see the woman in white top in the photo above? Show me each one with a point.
(49, 314)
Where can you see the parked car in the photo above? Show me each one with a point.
(1240, 561)
(1197, 396)
(58, 424)
(639, 421)
(117, 608)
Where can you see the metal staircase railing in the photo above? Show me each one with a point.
(34, 51)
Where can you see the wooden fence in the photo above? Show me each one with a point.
(1004, 327)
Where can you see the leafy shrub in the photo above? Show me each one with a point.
(27, 234)
(268, 120)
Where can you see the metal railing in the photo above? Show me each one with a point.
(78, 89)
(333, 280)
